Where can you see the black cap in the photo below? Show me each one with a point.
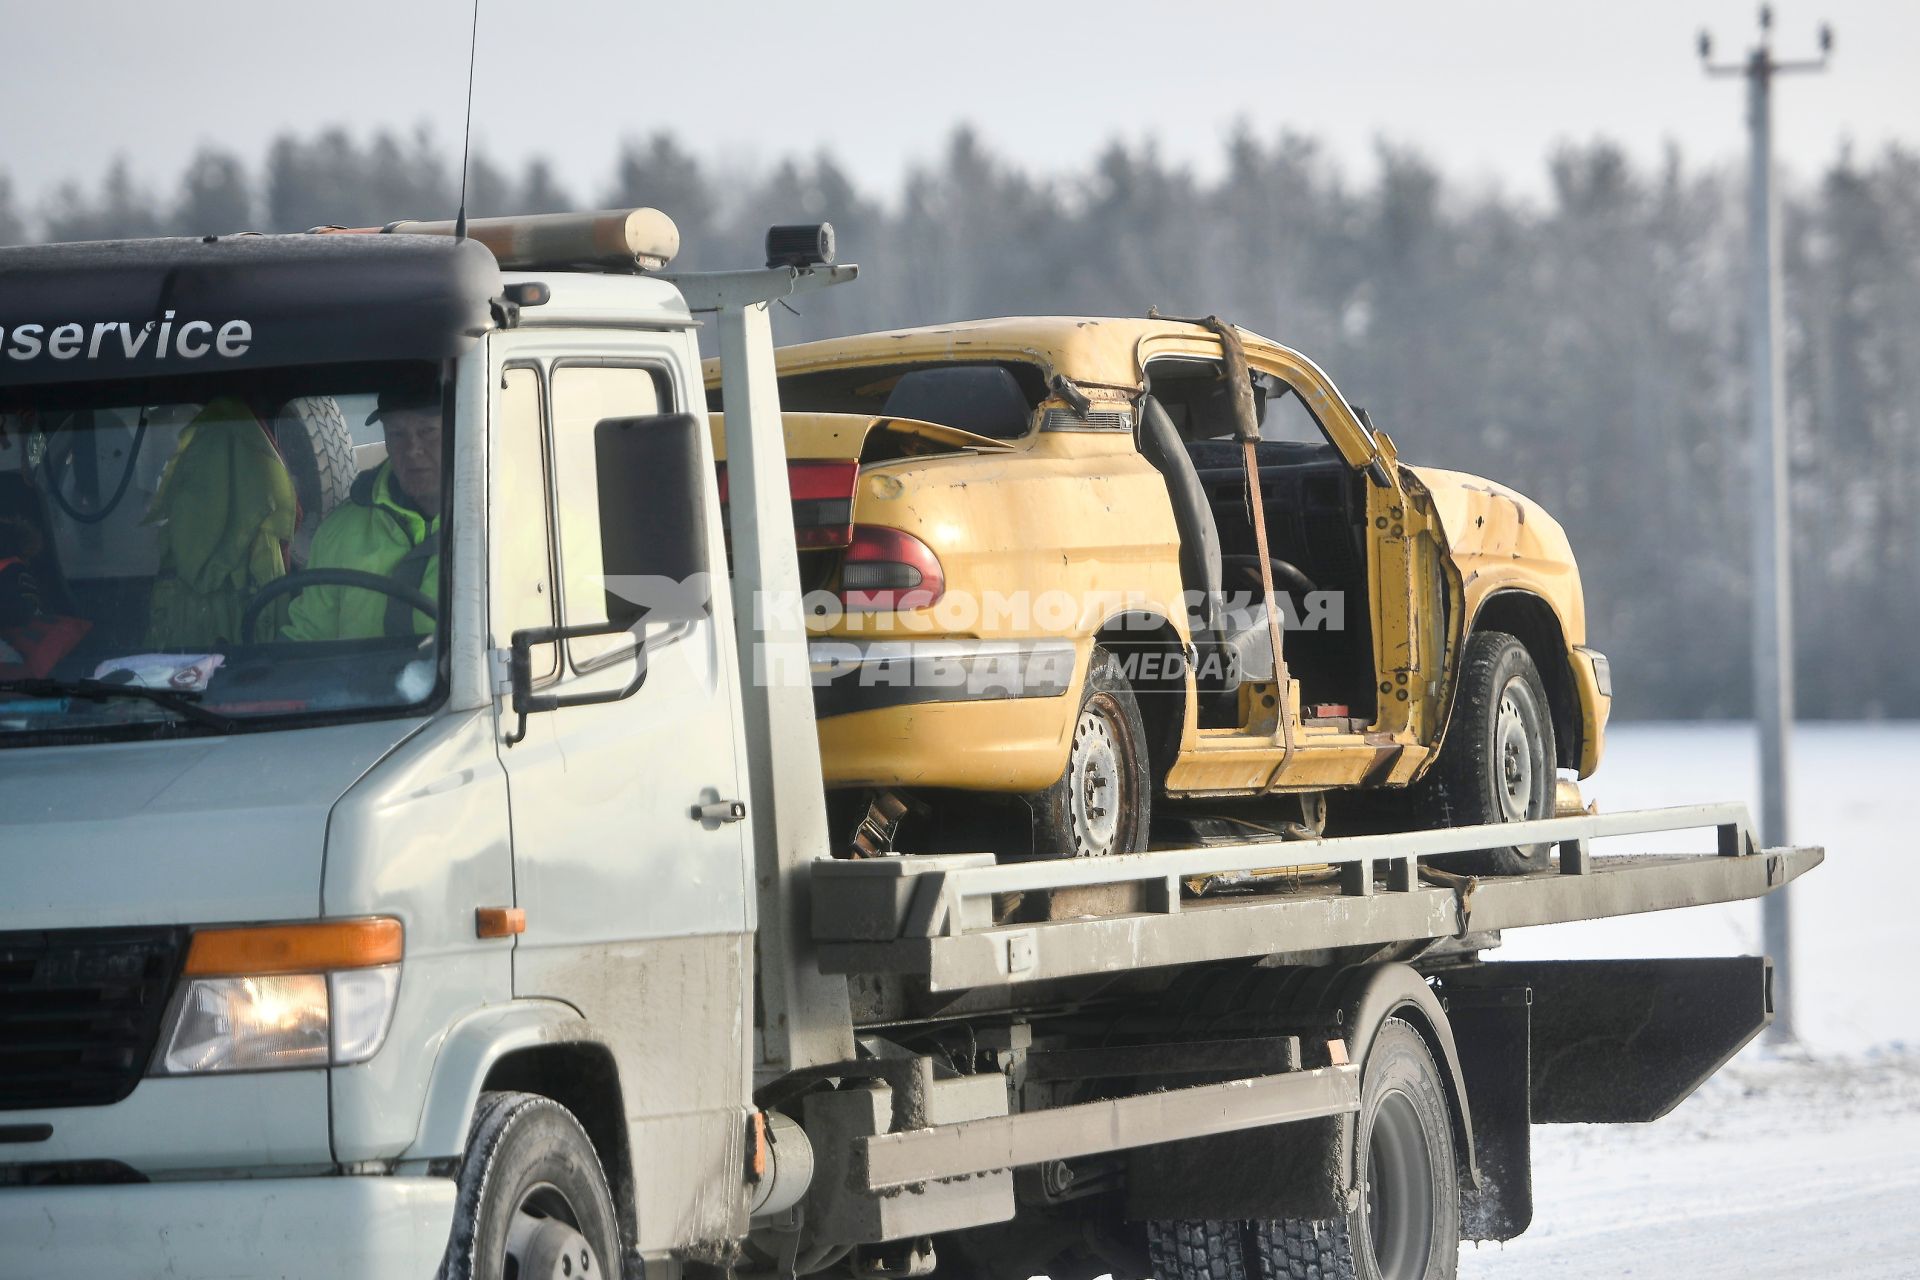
(392, 398)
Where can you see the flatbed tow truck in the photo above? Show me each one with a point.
(513, 945)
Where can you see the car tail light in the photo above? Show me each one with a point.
(887, 570)
(822, 495)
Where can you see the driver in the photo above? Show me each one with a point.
(390, 525)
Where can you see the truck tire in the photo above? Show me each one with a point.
(1497, 761)
(1202, 1250)
(532, 1200)
(1407, 1223)
(1102, 802)
(317, 448)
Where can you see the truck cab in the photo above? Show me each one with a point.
(287, 877)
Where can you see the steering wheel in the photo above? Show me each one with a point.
(1284, 573)
(295, 583)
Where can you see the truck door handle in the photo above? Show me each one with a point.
(720, 811)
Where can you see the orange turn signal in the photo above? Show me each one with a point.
(498, 922)
(295, 948)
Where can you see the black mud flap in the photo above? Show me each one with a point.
(1625, 1041)
(1490, 1028)
(1587, 1041)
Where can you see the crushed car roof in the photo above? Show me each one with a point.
(1093, 349)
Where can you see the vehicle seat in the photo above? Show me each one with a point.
(1245, 645)
(226, 511)
(984, 399)
(1161, 445)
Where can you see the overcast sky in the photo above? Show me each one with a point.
(1486, 88)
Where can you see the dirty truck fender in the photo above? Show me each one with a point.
(1366, 997)
(470, 1050)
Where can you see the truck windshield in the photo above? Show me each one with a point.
(193, 555)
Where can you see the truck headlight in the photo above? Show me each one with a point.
(283, 996)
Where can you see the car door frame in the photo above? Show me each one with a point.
(1415, 625)
(1404, 545)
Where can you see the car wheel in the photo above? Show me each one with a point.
(1406, 1225)
(1101, 804)
(532, 1202)
(1497, 762)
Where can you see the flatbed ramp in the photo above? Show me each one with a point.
(940, 917)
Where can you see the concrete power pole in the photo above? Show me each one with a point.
(1772, 546)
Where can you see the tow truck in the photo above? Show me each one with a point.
(507, 940)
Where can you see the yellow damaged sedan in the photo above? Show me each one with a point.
(1076, 584)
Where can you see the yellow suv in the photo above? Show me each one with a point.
(1041, 608)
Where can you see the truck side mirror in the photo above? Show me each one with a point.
(653, 526)
(653, 549)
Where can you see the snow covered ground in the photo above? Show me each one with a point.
(1775, 1168)
(1854, 919)
(1788, 1164)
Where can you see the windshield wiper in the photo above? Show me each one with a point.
(101, 690)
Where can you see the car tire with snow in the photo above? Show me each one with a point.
(1497, 761)
(532, 1200)
(1198, 1250)
(1102, 802)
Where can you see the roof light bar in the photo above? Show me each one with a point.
(626, 239)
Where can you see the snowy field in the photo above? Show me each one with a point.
(1851, 917)
(1802, 1163)
(1776, 1168)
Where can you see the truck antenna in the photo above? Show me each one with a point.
(466, 141)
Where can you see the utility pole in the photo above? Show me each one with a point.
(1772, 546)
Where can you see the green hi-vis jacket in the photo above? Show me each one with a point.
(225, 510)
(374, 533)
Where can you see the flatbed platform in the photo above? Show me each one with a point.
(934, 916)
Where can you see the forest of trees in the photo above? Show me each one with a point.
(1585, 347)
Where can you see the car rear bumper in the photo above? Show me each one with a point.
(979, 715)
(314, 1228)
(868, 675)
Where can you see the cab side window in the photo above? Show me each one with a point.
(583, 396)
(523, 594)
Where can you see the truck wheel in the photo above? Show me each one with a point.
(1202, 1250)
(1407, 1224)
(1101, 803)
(533, 1201)
(1497, 761)
(317, 448)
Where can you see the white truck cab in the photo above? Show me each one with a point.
(286, 879)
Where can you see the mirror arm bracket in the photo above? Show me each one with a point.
(520, 672)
